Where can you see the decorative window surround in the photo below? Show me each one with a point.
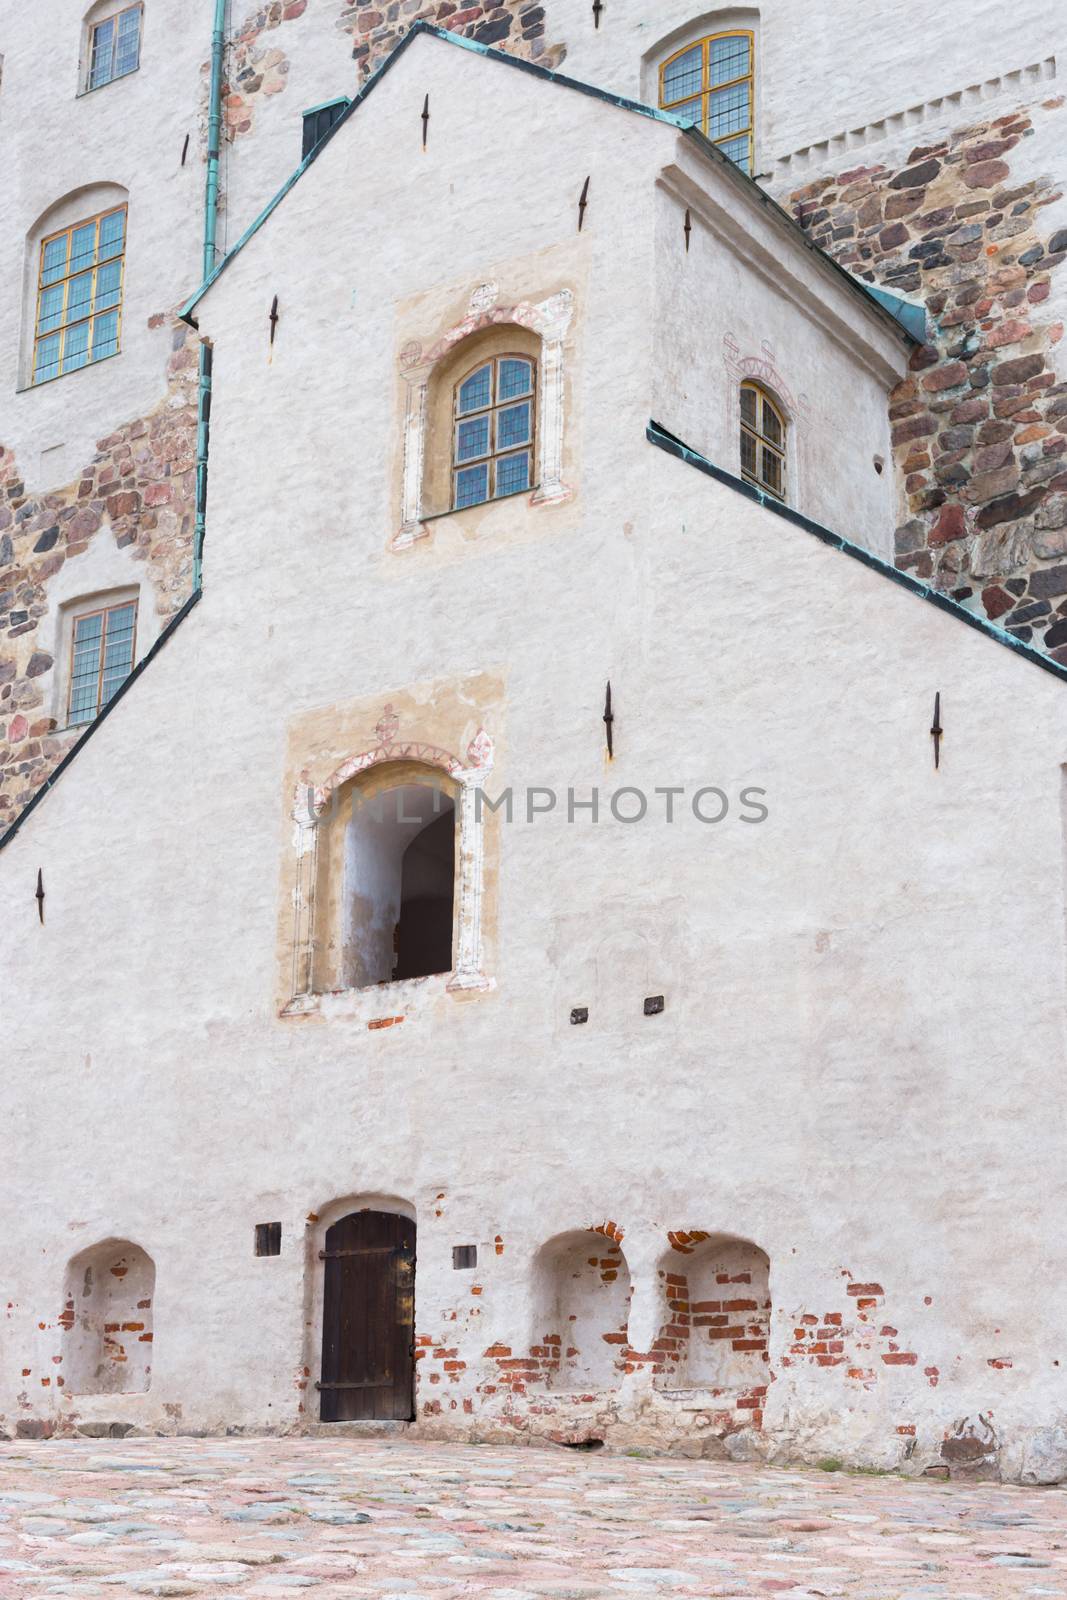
(314, 805)
(549, 319)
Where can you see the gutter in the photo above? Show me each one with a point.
(211, 220)
(214, 138)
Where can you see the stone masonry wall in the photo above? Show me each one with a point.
(139, 489)
(980, 426)
(257, 67)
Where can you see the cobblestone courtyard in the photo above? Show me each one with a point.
(408, 1521)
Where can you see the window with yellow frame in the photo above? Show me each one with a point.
(762, 441)
(711, 85)
(79, 295)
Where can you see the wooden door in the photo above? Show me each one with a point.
(368, 1319)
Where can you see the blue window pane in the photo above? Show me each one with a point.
(737, 150)
(112, 232)
(476, 391)
(108, 281)
(82, 247)
(513, 426)
(76, 347)
(78, 292)
(54, 260)
(128, 48)
(472, 439)
(729, 111)
(514, 378)
(684, 76)
(105, 335)
(103, 51)
(50, 309)
(689, 113)
(472, 485)
(729, 58)
(46, 364)
(513, 473)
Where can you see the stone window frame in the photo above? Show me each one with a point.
(549, 320)
(312, 807)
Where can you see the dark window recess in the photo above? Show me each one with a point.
(579, 1015)
(268, 1238)
(318, 122)
(464, 1256)
(654, 1005)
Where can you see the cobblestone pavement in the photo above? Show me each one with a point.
(409, 1521)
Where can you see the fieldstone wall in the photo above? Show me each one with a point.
(139, 489)
(256, 67)
(980, 427)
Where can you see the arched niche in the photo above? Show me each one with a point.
(107, 1320)
(718, 1309)
(582, 1300)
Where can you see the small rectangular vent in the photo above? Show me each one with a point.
(268, 1238)
(464, 1256)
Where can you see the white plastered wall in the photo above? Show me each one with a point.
(834, 978)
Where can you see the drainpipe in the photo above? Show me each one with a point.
(211, 212)
(214, 134)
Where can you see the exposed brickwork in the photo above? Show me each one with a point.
(139, 489)
(980, 427)
(257, 67)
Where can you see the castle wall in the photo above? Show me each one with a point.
(830, 1085)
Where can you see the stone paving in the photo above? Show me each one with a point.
(400, 1520)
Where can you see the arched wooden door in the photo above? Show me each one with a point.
(368, 1319)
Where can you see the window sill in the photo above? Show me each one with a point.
(384, 1004)
(536, 497)
(83, 94)
(90, 366)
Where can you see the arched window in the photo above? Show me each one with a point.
(493, 440)
(762, 441)
(398, 875)
(79, 294)
(710, 85)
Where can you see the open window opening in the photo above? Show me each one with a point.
(107, 1320)
(399, 884)
(583, 1299)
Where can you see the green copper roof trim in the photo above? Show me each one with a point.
(911, 317)
(898, 314)
(120, 694)
(664, 440)
(324, 105)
